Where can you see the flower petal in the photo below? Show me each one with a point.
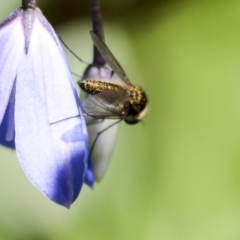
(7, 129)
(89, 178)
(10, 54)
(104, 146)
(102, 151)
(46, 113)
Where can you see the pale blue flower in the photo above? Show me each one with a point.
(102, 151)
(40, 113)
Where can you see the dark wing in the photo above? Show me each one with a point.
(109, 58)
(107, 104)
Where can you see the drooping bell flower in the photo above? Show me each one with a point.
(104, 144)
(40, 112)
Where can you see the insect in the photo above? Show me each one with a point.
(116, 98)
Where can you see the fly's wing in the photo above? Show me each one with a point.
(109, 58)
(107, 104)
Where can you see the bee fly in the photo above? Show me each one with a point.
(115, 98)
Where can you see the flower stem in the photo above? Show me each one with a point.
(97, 29)
(29, 4)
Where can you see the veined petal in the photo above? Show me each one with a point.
(89, 175)
(10, 53)
(11, 49)
(46, 114)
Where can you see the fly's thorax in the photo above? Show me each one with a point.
(92, 87)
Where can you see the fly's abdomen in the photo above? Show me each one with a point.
(93, 86)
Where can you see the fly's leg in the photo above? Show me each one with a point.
(74, 54)
(99, 133)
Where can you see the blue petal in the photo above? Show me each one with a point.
(73, 135)
(11, 49)
(7, 131)
(46, 109)
(11, 42)
(89, 175)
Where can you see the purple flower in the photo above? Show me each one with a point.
(40, 112)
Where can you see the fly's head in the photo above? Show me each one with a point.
(137, 105)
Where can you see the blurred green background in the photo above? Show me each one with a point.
(177, 177)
